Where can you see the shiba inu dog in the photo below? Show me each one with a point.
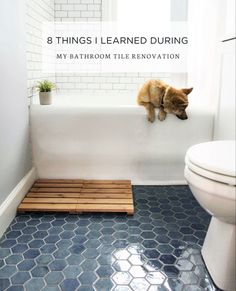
(157, 94)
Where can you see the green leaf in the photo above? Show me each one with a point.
(45, 86)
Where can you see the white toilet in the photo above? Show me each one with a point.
(210, 173)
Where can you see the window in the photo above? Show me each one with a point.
(154, 11)
(151, 12)
(145, 10)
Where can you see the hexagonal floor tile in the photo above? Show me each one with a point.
(34, 284)
(26, 265)
(137, 260)
(105, 271)
(72, 272)
(57, 265)
(7, 271)
(69, 284)
(121, 265)
(121, 254)
(87, 278)
(138, 271)
(54, 278)
(20, 278)
(155, 278)
(139, 284)
(39, 271)
(188, 277)
(14, 259)
(31, 254)
(122, 278)
(4, 283)
(184, 265)
(104, 284)
(90, 253)
(156, 248)
(167, 259)
(151, 254)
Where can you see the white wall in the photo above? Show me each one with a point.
(37, 11)
(15, 160)
(226, 118)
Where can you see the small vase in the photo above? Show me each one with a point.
(45, 98)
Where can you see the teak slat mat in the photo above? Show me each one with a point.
(78, 196)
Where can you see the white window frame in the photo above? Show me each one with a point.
(109, 10)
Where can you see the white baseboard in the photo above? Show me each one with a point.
(9, 206)
(159, 183)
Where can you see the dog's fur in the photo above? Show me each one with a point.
(157, 94)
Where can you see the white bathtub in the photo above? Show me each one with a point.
(77, 137)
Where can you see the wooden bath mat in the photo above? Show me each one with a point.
(77, 196)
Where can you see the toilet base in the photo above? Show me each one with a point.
(219, 254)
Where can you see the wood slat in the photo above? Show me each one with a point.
(78, 195)
(124, 191)
(56, 185)
(106, 186)
(104, 208)
(79, 208)
(53, 190)
(78, 200)
(107, 182)
(59, 181)
(50, 200)
(79, 190)
(50, 207)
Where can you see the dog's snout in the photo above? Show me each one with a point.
(182, 117)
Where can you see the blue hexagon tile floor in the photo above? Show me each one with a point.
(156, 249)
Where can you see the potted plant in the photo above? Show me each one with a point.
(45, 92)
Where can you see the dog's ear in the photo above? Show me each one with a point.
(187, 90)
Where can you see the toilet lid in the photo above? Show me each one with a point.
(217, 157)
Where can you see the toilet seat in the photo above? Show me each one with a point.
(213, 160)
(210, 175)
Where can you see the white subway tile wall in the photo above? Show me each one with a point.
(37, 12)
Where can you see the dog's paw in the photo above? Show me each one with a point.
(151, 118)
(161, 116)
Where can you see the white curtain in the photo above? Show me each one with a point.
(205, 22)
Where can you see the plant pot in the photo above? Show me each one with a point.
(45, 98)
